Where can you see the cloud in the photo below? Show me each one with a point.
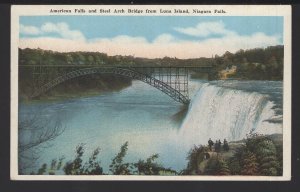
(206, 29)
(29, 30)
(124, 39)
(62, 29)
(52, 28)
(164, 38)
(163, 45)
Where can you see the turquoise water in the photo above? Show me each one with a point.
(143, 116)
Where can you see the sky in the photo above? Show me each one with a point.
(150, 36)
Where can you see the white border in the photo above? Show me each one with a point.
(231, 10)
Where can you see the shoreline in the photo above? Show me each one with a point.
(59, 96)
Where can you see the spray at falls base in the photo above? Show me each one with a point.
(223, 111)
(143, 116)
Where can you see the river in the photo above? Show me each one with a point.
(145, 117)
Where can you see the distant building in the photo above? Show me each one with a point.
(228, 71)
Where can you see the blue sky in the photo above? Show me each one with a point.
(148, 29)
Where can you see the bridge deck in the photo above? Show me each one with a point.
(172, 80)
(118, 66)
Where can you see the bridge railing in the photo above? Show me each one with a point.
(162, 86)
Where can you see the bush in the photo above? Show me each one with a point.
(117, 167)
(217, 166)
(76, 167)
(249, 164)
(195, 157)
(258, 157)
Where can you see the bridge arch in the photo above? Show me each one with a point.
(165, 88)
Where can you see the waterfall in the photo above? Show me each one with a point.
(223, 113)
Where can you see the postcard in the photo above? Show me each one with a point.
(151, 92)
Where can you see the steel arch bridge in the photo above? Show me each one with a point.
(179, 94)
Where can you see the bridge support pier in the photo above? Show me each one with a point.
(173, 81)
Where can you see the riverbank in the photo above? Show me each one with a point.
(76, 88)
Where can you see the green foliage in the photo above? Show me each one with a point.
(92, 167)
(235, 162)
(223, 168)
(249, 164)
(77, 85)
(266, 154)
(54, 166)
(234, 165)
(150, 167)
(195, 157)
(216, 166)
(279, 150)
(258, 63)
(60, 163)
(211, 166)
(258, 157)
(117, 167)
(42, 170)
(76, 167)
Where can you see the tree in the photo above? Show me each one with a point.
(91, 59)
(223, 168)
(273, 62)
(69, 58)
(117, 167)
(267, 157)
(234, 165)
(249, 164)
(77, 167)
(54, 166)
(80, 58)
(195, 156)
(266, 154)
(34, 135)
(93, 167)
(257, 157)
(148, 166)
(98, 60)
(216, 166)
(42, 170)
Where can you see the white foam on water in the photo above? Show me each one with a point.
(223, 113)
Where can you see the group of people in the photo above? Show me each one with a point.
(218, 145)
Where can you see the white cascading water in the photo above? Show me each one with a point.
(222, 113)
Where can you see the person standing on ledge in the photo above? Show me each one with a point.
(210, 144)
(225, 145)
